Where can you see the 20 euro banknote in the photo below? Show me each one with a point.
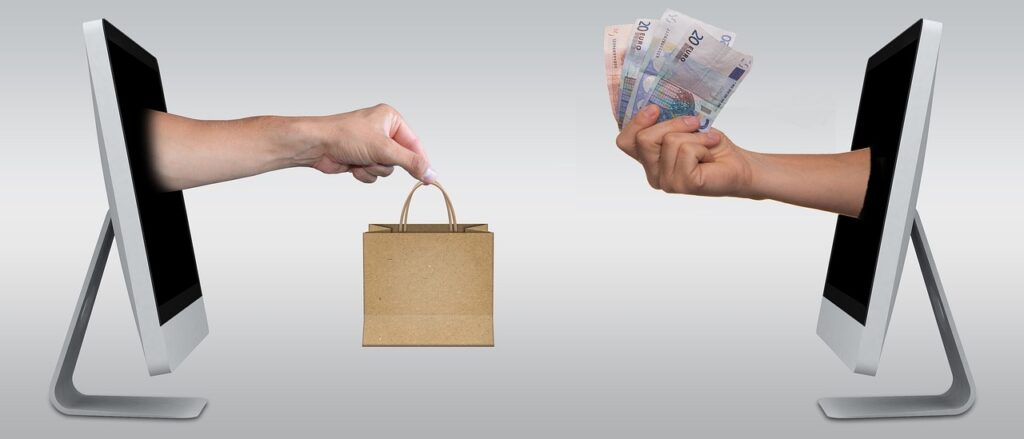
(699, 77)
(639, 43)
(672, 33)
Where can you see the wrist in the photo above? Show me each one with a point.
(298, 140)
(755, 181)
(760, 178)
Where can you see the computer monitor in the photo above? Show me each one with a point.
(151, 229)
(868, 251)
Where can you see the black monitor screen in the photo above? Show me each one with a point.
(857, 241)
(165, 230)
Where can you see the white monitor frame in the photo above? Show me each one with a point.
(860, 346)
(167, 345)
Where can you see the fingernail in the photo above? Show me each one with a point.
(691, 121)
(430, 176)
(650, 110)
(714, 137)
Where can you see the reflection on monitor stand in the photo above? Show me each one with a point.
(957, 399)
(63, 394)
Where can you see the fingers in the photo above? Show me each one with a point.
(649, 144)
(655, 134)
(363, 175)
(417, 163)
(379, 170)
(649, 153)
(369, 174)
(675, 169)
(680, 170)
(627, 141)
(708, 139)
(666, 165)
(391, 153)
(675, 156)
(368, 143)
(401, 133)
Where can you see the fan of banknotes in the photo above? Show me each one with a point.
(683, 65)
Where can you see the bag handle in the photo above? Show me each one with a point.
(403, 223)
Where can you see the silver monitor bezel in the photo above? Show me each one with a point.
(860, 346)
(165, 346)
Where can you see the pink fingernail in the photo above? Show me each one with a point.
(430, 176)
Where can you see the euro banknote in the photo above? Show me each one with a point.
(698, 78)
(683, 65)
(616, 40)
(673, 31)
(639, 42)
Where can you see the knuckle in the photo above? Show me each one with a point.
(649, 156)
(649, 148)
(680, 123)
(674, 138)
(623, 142)
(666, 185)
(384, 110)
(418, 164)
(654, 180)
(669, 185)
(647, 138)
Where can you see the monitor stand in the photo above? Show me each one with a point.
(63, 394)
(957, 399)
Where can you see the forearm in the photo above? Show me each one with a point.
(832, 182)
(188, 153)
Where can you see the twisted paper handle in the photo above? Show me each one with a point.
(403, 223)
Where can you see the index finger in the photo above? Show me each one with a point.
(683, 124)
(392, 153)
(403, 135)
(642, 120)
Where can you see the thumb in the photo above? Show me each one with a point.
(416, 164)
(627, 141)
(646, 117)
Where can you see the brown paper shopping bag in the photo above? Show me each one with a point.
(428, 284)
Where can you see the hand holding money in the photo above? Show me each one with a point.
(679, 160)
(667, 81)
(682, 65)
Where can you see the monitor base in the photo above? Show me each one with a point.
(961, 393)
(63, 394)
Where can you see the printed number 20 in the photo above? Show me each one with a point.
(695, 38)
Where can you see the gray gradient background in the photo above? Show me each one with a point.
(620, 311)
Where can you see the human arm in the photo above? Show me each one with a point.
(677, 159)
(368, 143)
